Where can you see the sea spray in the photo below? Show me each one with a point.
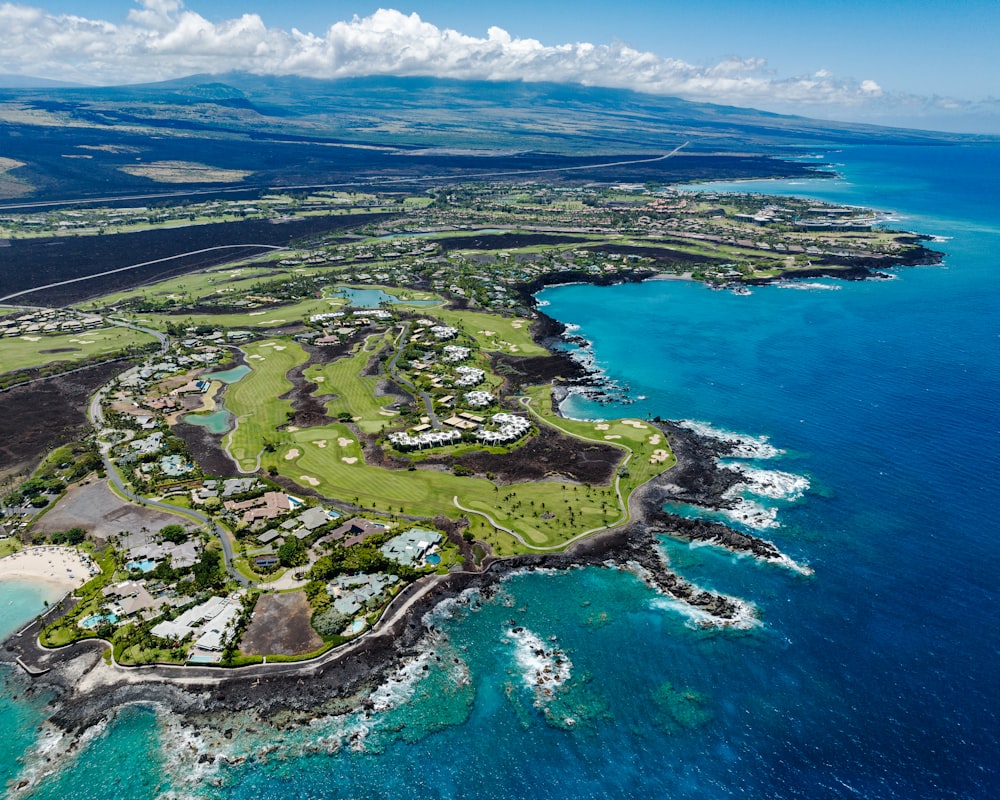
(740, 445)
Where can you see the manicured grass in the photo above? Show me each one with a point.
(250, 319)
(254, 399)
(195, 284)
(355, 394)
(493, 333)
(22, 352)
(651, 455)
(8, 546)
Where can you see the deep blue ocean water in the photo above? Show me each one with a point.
(875, 678)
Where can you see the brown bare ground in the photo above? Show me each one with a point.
(96, 509)
(280, 626)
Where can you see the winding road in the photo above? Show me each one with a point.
(95, 414)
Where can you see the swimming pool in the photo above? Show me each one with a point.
(433, 559)
(146, 565)
(96, 619)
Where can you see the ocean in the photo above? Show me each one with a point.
(876, 677)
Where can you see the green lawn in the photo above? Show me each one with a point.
(22, 352)
(493, 333)
(355, 395)
(255, 402)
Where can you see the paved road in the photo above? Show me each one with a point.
(96, 416)
(428, 401)
(372, 183)
(136, 266)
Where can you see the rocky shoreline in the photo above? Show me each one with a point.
(88, 691)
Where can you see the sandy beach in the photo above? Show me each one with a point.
(66, 567)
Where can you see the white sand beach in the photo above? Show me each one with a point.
(66, 567)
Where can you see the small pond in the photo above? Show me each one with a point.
(218, 422)
(230, 375)
(373, 298)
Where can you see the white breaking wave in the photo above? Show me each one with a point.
(400, 687)
(746, 616)
(773, 484)
(808, 287)
(752, 514)
(742, 445)
(544, 667)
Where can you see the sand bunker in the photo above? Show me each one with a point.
(319, 379)
(602, 426)
(320, 443)
(274, 321)
(349, 460)
(343, 442)
(659, 456)
(292, 454)
(634, 424)
(291, 428)
(655, 439)
(32, 338)
(309, 479)
(256, 314)
(612, 436)
(257, 356)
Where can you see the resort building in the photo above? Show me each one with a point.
(454, 353)
(469, 376)
(412, 547)
(511, 428)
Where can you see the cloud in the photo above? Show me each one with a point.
(164, 39)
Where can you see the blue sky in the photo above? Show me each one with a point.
(923, 62)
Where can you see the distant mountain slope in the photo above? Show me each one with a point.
(213, 133)
(468, 114)
(30, 82)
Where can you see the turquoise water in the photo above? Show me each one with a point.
(875, 678)
(20, 600)
(373, 298)
(230, 375)
(218, 422)
(96, 619)
(19, 715)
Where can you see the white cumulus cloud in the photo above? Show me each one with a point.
(163, 39)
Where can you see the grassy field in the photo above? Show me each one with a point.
(355, 395)
(254, 399)
(22, 352)
(250, 319)
(493, 334)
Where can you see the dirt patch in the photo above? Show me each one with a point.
(38, 417)
(97, 510)
(280, 626)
